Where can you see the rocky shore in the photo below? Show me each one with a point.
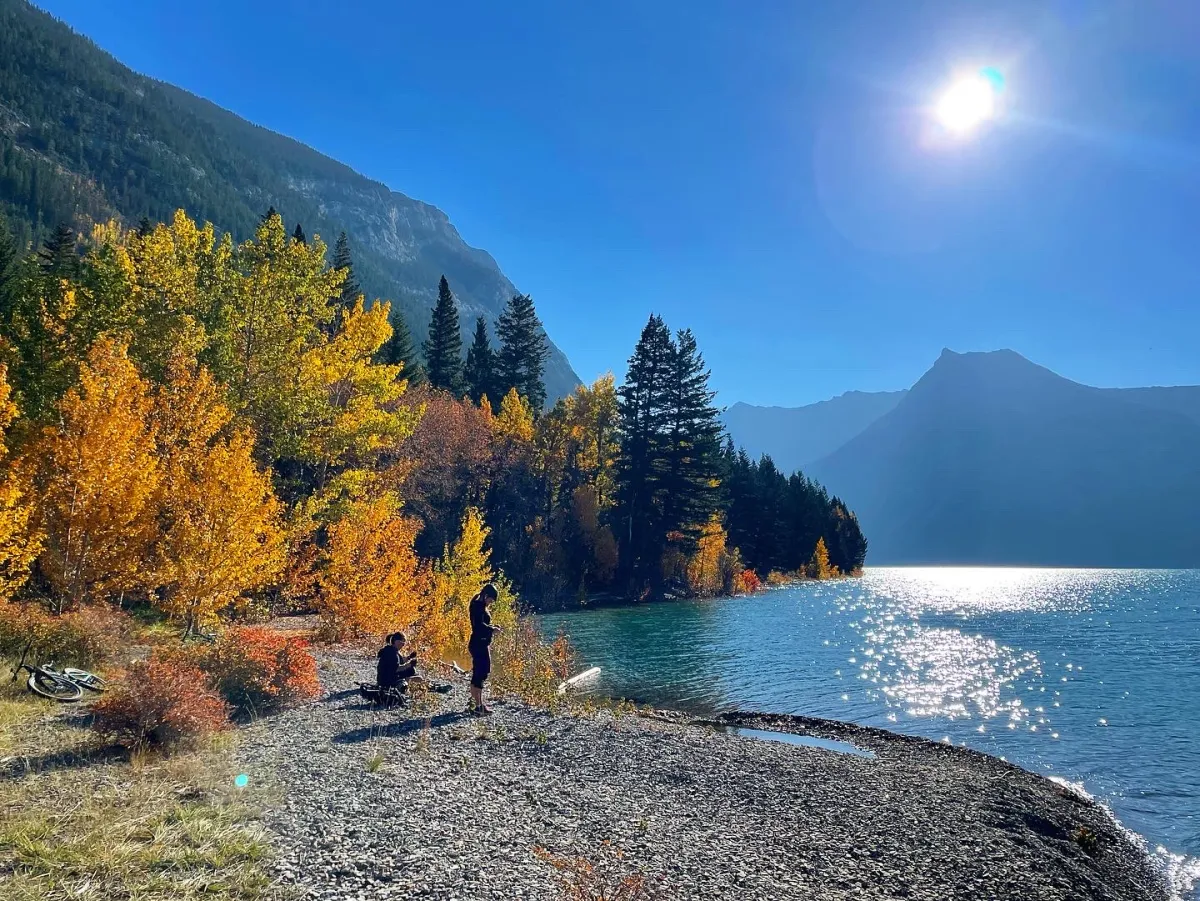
(382, 804)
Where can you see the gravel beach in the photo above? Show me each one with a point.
(382, 804)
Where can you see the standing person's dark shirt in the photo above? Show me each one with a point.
(481, 625)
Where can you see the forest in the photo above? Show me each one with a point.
(219, 429)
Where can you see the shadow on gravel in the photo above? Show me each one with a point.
(340, 695)
(393, 730)
(16, 768)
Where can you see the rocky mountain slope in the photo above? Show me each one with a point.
(83, 138)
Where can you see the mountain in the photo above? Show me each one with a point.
(990, 458)
(83, 138)
(794, 437)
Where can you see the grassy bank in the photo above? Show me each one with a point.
(82, 821)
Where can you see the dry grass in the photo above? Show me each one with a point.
(77, 822)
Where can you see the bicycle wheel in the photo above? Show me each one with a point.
(84, 679)
(57, 688)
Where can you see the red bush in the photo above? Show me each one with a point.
(162, 703)
(255, 668)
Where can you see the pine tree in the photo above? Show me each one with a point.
(350, 288)
(521, 360)
(480, 369)
(443, 349)
(692, 461)
(58, 258)
(10, 263)
(400, 351)
(298, 234)
(271, 211)
(644, 411)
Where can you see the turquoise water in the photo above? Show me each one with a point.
(1089, 676)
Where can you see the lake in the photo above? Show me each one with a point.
(1090, 676)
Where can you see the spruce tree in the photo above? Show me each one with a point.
(478, 372)
(350, 292)
(692, 460)
(443, 349)
(400, 350)
(298, 235)
(58, 258)
(521, 359)
(271, 211)
(643, 405)
(10, 263)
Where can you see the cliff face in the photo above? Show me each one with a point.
(84, 138)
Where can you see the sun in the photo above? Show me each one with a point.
(967, 103)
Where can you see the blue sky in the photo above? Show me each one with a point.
(766, 173)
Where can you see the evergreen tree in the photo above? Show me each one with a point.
(298, 235)
(58, 258)
(692, 459)
(479, 371)
(400, 350)
(443, 349)
(271, 211)
(10, 263)
(521, 360)
(643, 404)
(350, 289)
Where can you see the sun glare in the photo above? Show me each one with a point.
(967, 103)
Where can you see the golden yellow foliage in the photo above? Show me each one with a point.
(369, 580)
(455, 579)
(516, 417)
(355, 411)
(19, 545)
(818, 566)
(220, 520)
(706, 568)
(100, 481)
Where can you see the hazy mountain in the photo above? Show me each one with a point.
(82, 138)
(797, 436)
(990, 458)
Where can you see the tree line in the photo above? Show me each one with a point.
(216, 428)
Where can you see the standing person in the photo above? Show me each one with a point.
(482, 631)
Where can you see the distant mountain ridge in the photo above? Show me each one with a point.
(794, 437)
(990, 458)
(84, 137)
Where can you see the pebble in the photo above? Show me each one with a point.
(459, 810)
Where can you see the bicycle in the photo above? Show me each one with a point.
(66, 685)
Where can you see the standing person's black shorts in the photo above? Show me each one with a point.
(481, 662)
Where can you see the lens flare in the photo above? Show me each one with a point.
(242, 780)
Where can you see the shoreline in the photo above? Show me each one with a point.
(388, 803)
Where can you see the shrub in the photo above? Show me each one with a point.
(162, 703)
(527, 665)
(87, 637)
(604, 877)
(746, 582)
(255, 668)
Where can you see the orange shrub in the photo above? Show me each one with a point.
(746, 582)
(87, 637)
(255, 668)
(160, 703)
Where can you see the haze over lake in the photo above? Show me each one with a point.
(1091, 676)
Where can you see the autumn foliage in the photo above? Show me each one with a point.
(160, 703)
(256, 669)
